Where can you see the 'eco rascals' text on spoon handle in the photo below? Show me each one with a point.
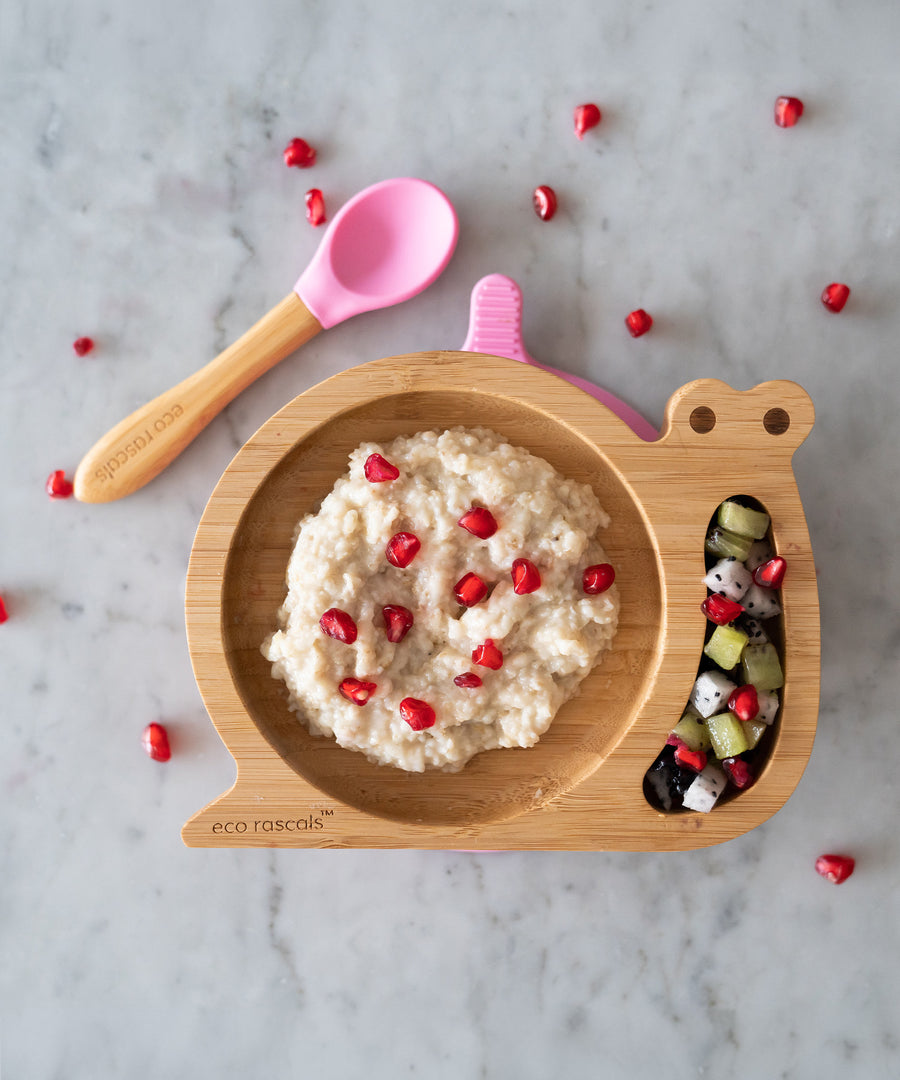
(138, 448)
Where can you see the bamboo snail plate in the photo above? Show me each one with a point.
(581, 787)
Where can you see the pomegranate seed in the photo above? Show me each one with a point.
(357, 691)
(673, 740)
(479, 522)
(468, 680)
(720, 610)
(638, 322)
(58, 487)
(155, 741)
(835, 296)
(544, 199)
(738, 772)
(695, 760)
(597, 579)
(379, 469)
(470, 590)
(526, 577)
(586, 117)
(418, 714)
(397, 621)
(315, 206)
(4, 614)
(788, 111)
(402, 548)
(836, 868)
(83, 345)
(744, 702)
(488, 655)
(298, 154)
(338, 624)
(770, 574)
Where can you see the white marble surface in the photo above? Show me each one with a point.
(144, 202)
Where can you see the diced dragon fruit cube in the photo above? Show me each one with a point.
(704, 793)
(759, 553)
(768, 705)
(710, 692)
(729, 577)
(760, 603)
(754, 631)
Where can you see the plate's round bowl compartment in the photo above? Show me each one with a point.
(496, 785)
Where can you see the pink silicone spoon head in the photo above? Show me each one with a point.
(385, 245)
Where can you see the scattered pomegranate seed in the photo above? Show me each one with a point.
(479, 522)
(83, 345)
(738, 772)
(695, 760)
(835, 296)
(586, 117)
(397, 621)
(418, 714)
(378, 469)
(4, 614)
(638, 322)
(155, 741)
(488, 655)
(470, 590)
(673, 740)
(298, 154)
(58, 487)
(544, 199)
(468, 680)
(836, 868)
(526, 577)
(357, 691)
(744, 702)
(788, 111)
(597, 579)
(315, 206)
(402, 548)
(720, 610)
(338, 624)
(770, 574)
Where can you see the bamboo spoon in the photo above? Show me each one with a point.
(388, 243)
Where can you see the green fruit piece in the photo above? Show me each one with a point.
(692, 732)
(743, 521)
(727, 735)
(725, 647)
(754, 731)
(761, 666)
(727, 544)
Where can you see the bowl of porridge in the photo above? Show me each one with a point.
(476, 693)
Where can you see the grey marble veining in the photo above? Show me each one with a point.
(144, 202)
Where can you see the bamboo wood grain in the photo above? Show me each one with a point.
(139, 447)
(581, 787)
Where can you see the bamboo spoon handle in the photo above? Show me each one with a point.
(139, 447)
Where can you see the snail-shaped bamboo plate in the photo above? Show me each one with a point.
(581, 787)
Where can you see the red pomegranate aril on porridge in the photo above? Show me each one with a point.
(418, 714)
(638, 322)
(4, 614)
(526, 577)
(586, 117)
(315, 206)
(155, 741)
(470, 590)
(744, 702)
(298, 154)
(836, 868)
(357, 690)
(479, 522)
(544, 199)
(834, 296)
(738, 772)
(398, 622)
(468, 680)
(378, 469)
(769, 575)
(339, 625)
(58, 487)
(82, 346)
(402, 548)
(788, 111)
(695, 760)
(597, 579)
(720, 610)
(488, 655)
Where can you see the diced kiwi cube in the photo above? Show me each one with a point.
(725, 646)
(754, 731)
(692, 732)
(727, 544)
(743, 521)
(726, 733)
(761, 666)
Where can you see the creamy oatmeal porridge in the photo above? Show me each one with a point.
(448, 596)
